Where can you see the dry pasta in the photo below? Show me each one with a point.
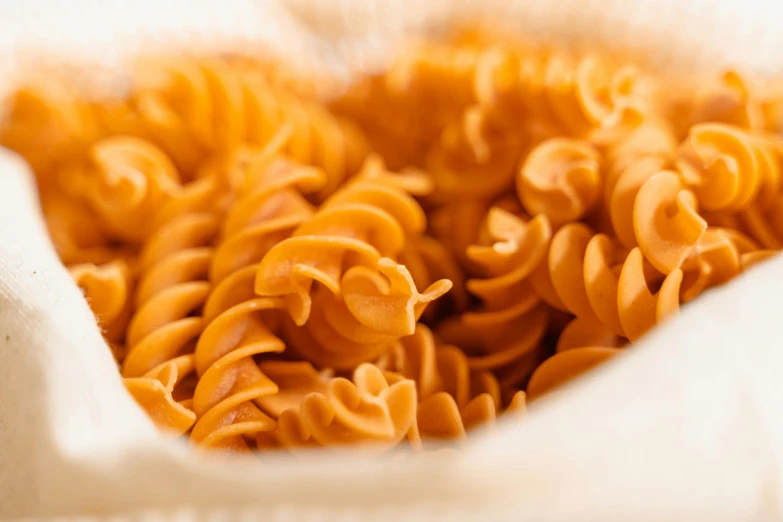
(448, 242)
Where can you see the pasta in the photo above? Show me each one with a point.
(453, 396)
(108, 290)
(367, 411)
(364, 300)
(510, 324)
(161, 334)
(449, 241)
(198, 107)
(235, 328)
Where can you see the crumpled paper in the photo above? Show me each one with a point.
(685, 426)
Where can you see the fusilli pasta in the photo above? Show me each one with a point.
(246, 245)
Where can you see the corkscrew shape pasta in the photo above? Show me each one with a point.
(172, 290)
(428, 261)
(510, 324)
(453, 398)
(589, 98)
(645, 151)
(610, 291)
(584, 97)
(49, 126)
(720, 163)
(368, 411)
(341, 332)
(126, 181)
(202, 107)
(107, 289)
(74, 233)
(666, 221)
(243, 238)
(561, 179)
(231, 386)
(348, 247)
(472, 158)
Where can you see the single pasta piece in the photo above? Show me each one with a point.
(126, 182)
(49, 126)
(342, 333)
(589, 99)
(162, 331)
(231, 387)
(108, 290)
(351, 240)
(666, 221)
(473, 159)
(369, 412)
(230, 380)
(561, 179)
(510, 323)
(647, 150)
(720, 163)
(172, 290)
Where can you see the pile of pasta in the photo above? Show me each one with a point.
(442, 244)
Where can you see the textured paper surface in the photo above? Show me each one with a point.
(686, 426)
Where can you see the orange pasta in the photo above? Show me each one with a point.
(461, 234)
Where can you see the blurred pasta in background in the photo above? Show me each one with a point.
(447, 241)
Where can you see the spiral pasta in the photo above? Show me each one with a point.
(172, 290)
(49, 126)
(108, 290)
(462, 233)
(127, 181)
(453, 398)
(560, 179)
(198, 107)
(368, 411)
(73, 231)
(231, 386)
(365, 300)
(510, 324)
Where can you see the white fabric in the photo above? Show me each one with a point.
(686, 426)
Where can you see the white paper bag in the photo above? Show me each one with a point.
(686, 426)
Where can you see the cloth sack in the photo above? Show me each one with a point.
(685, 426)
